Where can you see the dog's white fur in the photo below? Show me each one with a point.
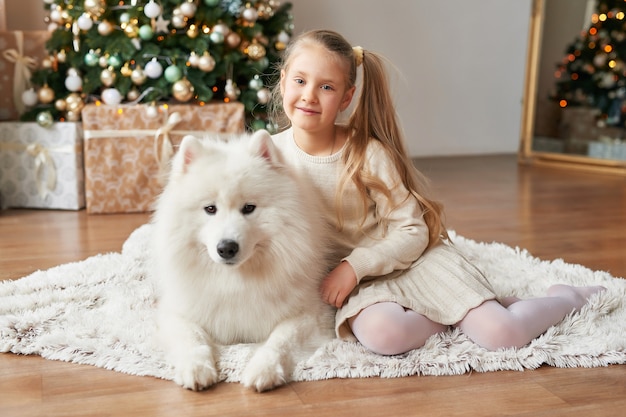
(240, 256)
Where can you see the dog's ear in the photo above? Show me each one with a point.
(190, 148)
(261, 144)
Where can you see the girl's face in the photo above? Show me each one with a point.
(314, 89)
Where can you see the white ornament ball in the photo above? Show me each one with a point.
(231, 90)
(73, 82)
(29, 97)
(188, 9)
(283, 37)
(193, 59)
(178, 21)
(111, 96)
(84, 21)
(152, 112)
(55, 16)
(153, 69)
(250, 14)
(221, 28)
(263, 95)
(255, 83)
(152, 10)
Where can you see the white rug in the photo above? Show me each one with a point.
(99, 312)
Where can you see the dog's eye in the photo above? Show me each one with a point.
(247, 208)
(211, 209)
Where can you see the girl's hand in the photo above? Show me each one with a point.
(338, 284)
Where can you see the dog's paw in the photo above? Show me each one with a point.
(197, 370)
(264, 371)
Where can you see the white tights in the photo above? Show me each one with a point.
(390, 329)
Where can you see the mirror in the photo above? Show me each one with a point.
(565, 121)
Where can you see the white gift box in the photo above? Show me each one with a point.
(608, 150)
(42, 167)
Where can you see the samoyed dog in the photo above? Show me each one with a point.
(240, 255)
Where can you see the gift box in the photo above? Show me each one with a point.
(20, 54)
(41, 167)
(128, 148)
(606, 148)
(3, 14)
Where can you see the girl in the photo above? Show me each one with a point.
(398, 280)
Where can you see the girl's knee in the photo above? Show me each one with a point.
(389, 329)
(381, 335)
(497, 335)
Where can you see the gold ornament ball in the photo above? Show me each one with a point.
(45, 94)
(233, 40)
(126, 71)
(133, 94)
(74, 103)
(131, 29)
(138, 76)
(60, 105)
(107, 77)
(95, 7)
(256, 51)
(72, 115)
(193, 31)
(183, 90)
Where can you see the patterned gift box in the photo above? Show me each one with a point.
(20, 53)
(128, 147)
(41, 167)
(608, 149)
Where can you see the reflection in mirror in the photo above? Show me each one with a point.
(575, 98)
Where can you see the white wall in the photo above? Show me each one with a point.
(462, 64)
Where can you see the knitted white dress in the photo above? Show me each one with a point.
(390, 264)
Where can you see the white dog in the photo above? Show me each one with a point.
(240, 256)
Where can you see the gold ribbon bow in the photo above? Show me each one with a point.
(43, 162)
(21, 73)
(167, 148)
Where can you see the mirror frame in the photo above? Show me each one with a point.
(526, 153)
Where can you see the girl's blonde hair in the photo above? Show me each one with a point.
(373, 118)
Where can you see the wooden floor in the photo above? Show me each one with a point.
(553, 213)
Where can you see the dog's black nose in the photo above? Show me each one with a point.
(227, 248)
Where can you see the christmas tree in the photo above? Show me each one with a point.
(144, 51)
(593, 72)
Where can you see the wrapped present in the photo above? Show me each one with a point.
(41, 167)
(128, 148)
(3, 15)
(20, 53)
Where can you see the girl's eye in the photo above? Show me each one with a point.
(299, 81)
(326, 87)
(210, 209)
(248, 208)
